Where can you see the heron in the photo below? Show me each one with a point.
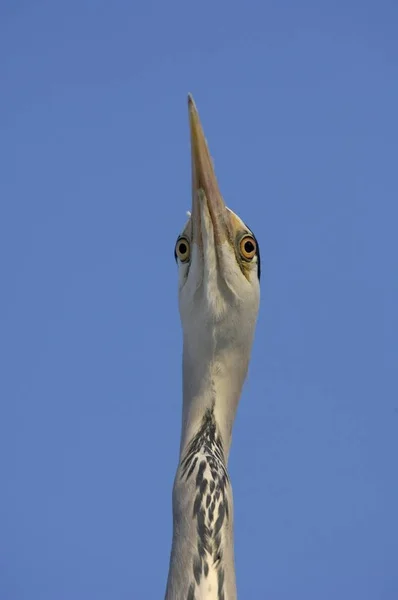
(219, 267)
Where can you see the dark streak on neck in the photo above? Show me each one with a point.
(205, 456)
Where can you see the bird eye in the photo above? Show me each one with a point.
(248, 247)
(183, 250)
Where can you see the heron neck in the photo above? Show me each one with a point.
(202, 555)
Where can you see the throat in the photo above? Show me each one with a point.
(211, 393)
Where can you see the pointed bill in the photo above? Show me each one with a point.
(204, 182)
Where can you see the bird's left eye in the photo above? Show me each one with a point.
(183, 249)
(248, 247)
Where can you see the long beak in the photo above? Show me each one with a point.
(204, 182)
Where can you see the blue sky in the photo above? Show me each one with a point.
(299, 104)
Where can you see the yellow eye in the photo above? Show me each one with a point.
(248, 247)
(183, 250)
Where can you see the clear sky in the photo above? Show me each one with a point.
(299, 104)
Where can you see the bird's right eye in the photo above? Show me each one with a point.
(183, 249)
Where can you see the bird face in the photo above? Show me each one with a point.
(218, 260)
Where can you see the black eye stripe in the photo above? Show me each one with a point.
(257, 253)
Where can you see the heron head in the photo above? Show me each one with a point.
(218, 261)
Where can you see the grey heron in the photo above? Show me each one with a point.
(219, 292)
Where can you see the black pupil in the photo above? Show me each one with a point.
(249, 247)
(183, 248)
